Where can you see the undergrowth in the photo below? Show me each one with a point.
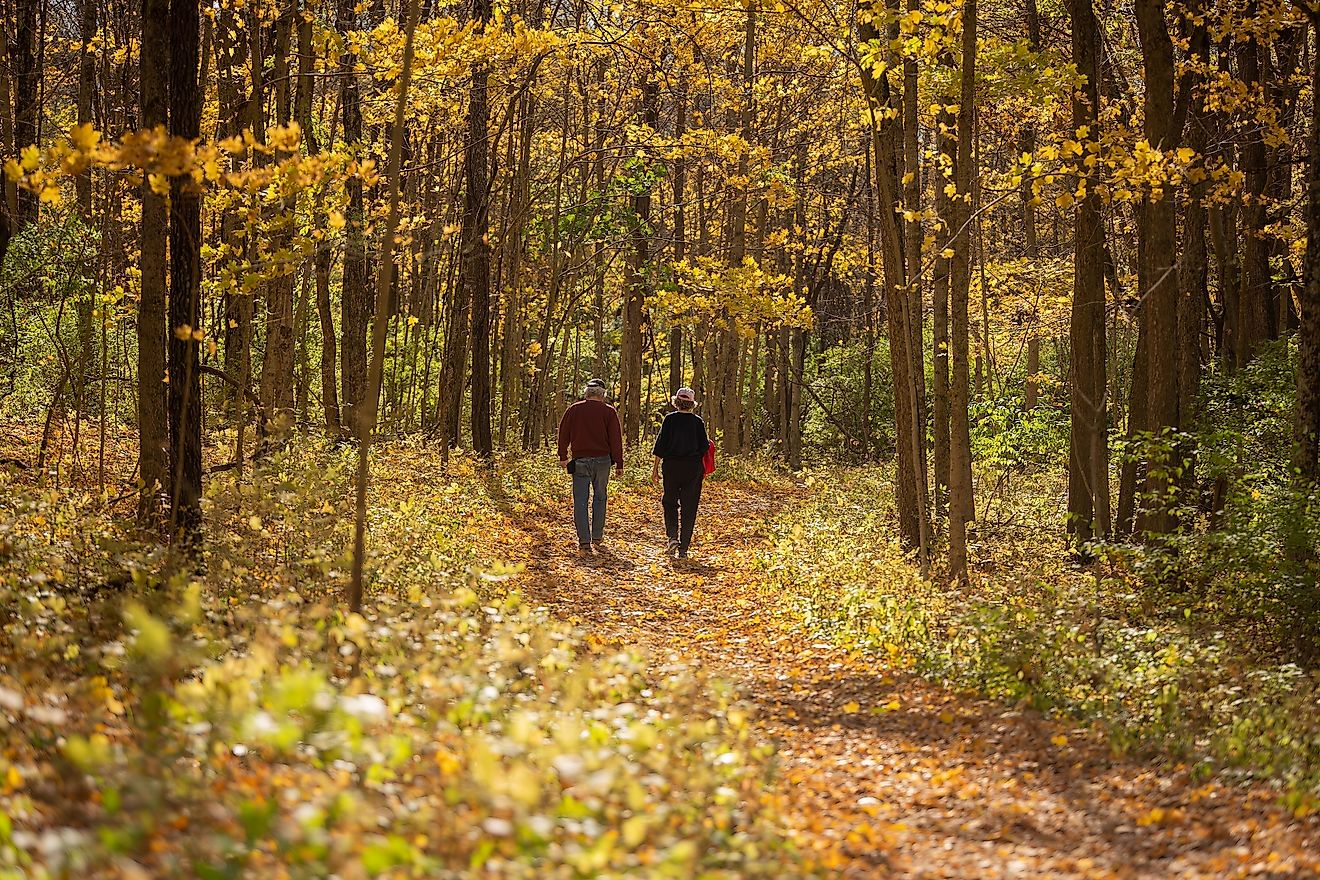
(237, 722)
(1163, 670)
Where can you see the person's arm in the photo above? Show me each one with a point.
(615, 432)
(564, 427)
(660, 447)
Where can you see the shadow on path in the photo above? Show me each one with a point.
(884, 773)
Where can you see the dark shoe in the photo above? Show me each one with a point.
(682, 553)
(585, 551)
(673, 547)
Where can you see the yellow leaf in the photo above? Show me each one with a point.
(336, 220)
(852, 707)
(85, 137)
(1059, 740)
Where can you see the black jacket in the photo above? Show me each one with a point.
(682, 435)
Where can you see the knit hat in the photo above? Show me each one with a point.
(594, 383)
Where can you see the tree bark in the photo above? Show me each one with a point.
(910, 480)
(153, 418)
(355, 301)
(961, 509)
(185, 387)
(1088, 453)
(476, 245)
(1306, 450)
(1160, 312)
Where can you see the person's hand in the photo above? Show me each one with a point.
(618, 470)
(655, 476)
(563, 463)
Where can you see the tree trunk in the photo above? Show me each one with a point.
(1256, 291)
(185, 387)
(1306, 452)
(153, 420)
(1160, 312)
(355, 301)
(1088, 452)
(961, 509)
(476, 246)
(27, 96)
(1030, 244)
(277, 365)
(910, 480)
(634, 296)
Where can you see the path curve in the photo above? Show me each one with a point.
(883, 774)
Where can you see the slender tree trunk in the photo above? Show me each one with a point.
(1256, 291)
(1088, 452)
(185, 314)
(153, 418)
(630, 350)
(277, 383)
(1030, 243)
(27, 95)
(911, 482)
(941, 177)
(384, 274)
(680, 234)
(355, 300)
(1306, 452)
(961, 508)
(476, 247)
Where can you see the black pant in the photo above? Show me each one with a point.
(682, 481)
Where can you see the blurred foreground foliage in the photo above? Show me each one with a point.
(211, 725)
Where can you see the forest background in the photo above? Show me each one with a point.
(1025, 299)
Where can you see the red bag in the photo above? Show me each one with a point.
(708, 460)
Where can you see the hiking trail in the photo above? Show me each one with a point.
(882, 773)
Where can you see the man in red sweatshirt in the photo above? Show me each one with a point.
(591, 429)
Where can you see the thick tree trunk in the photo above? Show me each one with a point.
(1160, 312)
(1088, 460)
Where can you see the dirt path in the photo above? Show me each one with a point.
(882, 773)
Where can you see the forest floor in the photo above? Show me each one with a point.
(881, 772)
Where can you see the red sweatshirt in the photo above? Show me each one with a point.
(591, 427)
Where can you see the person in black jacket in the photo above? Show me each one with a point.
(681, 447)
